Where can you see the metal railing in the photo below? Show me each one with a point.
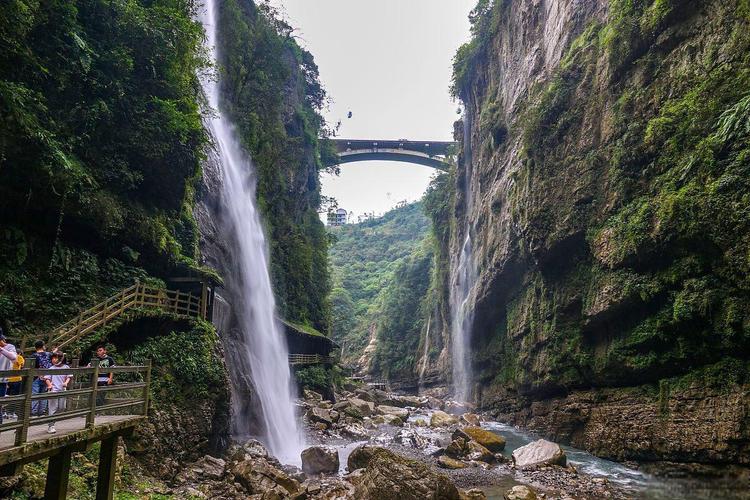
(309, 359)
(85, 398)
(138, 295)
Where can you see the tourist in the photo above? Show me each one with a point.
(14, 383)
(7, 357)
(41, 362)
(105, 379)
(57, 383)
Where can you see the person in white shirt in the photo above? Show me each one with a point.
(57, 383)
(7, 357)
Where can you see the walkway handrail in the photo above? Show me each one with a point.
(309, 359)
(82, 397)
(137, 295)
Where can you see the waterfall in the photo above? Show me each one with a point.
(257, 348)
(464, 277)
(425, 354)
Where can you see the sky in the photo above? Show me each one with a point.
(389, 62)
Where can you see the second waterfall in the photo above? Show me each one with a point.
(259, 348)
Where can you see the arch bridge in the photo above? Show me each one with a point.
(435, 154)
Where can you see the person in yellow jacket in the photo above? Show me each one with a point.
(14, 383)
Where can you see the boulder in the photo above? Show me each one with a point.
(388, 475)
(447, 462)
(520, 492)
(255, 449)
(476, 451)
(442, 419)
(366, 408)
(320, 415)
(353, 412)
(378, 420)
(406, 401)
(364, 394)
(312, 396)
(320, 460)
(401, 413)
(457, 448)
(409, 438)
(473, 494)
(488, 439)
(258, 476)
(435, 403)
(541, 452)
(356, 432)
(361, 456)
(393, 420)
(457, 408)
(470, 419)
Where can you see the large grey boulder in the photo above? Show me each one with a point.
(488, 439)
(366, 408)
(361, 456)
(541, 452)
(442, 419)
(388, 475)
(320, 415)
(401, 413)
(262, 478)
(320, 460)
(520, 492)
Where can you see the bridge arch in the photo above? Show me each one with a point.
(434, 154)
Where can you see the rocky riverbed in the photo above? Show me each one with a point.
(369, 444)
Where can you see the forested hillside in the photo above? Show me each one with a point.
(374, 280)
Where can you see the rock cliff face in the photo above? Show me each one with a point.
(607, 195)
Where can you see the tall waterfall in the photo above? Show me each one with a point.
(258, 349)
(464, 278)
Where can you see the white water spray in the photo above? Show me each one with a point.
(259, 349)
(462, 312)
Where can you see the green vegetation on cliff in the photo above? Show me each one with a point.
(273, 95)
(100, 151)
(102, 143)
(627, 214)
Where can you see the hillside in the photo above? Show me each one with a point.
(365, 260)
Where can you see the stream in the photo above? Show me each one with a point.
(629, 482)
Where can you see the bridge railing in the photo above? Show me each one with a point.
(85, 400)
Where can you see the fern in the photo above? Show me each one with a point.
(734, 123)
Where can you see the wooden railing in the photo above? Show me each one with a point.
(85, 400)
(309, 359)
(138, 295)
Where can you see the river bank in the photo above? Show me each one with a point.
(417, 440)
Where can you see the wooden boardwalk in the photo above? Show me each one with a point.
(38, 435)
(93, 413)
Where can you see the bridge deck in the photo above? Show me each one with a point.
(39, 442)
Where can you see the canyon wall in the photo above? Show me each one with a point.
(609, 199)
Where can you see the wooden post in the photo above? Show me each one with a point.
(91, 417)
(147, 389)
(57, 475)
(105, 482)
(25, 416)
(204, 300)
